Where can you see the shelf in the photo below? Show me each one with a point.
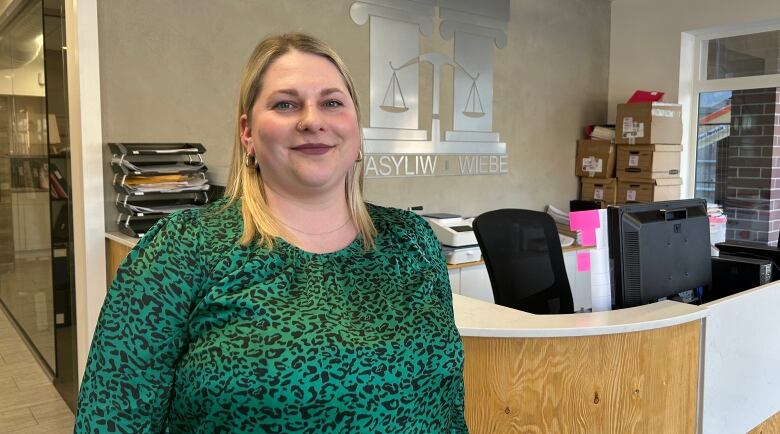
(129, 149)
(28, 190)
(28, 156)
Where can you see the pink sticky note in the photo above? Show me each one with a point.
(586, 222)
(588, 237)
(583, 261)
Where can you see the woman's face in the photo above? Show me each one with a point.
(303, 128)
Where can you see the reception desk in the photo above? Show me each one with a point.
(661, 368)
(633, 370)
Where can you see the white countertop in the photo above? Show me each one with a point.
(125, 240)
(478, 318)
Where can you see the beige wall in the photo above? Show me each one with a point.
(645, 39)
(169, 72)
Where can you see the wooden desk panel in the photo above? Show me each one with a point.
(642, 382)
(115, 254)
(769, 426)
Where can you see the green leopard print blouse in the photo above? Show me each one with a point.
(199, 334)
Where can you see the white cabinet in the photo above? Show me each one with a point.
(579, 282)
(473, 281)
(32, 230)
(455, 280)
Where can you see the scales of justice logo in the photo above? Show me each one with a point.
(395, 145)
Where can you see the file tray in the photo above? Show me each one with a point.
(179, 183)
(159, 168)
(142, 160)
(156, 148)
(140, 206)
(135, 215)
(129, 191)
(149, 169)
(135, 226)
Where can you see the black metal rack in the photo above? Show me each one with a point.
(154, 179)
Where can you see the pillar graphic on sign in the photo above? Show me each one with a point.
(395, 27)
(476, 28)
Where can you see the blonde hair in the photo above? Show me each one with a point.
(246, 183)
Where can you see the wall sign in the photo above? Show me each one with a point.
(395, 144)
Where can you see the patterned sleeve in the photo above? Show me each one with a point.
(435, 256)
(141, 332)
(433, 252)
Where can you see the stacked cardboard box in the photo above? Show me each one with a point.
(648, 137)
(595, 165)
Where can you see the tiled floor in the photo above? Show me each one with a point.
(28, 401)
(26, 290)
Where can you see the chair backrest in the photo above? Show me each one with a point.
(524, 260)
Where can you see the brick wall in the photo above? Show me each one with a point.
(752, 185)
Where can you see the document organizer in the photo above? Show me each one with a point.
(157, 165)
(139, 186)
(136, 226)
(153, 180)
(156, 148)
(142, 205)
(137, 214)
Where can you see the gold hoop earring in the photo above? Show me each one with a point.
(249, 160)
(359, 157)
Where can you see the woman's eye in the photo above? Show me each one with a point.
(333, 103)
(284, 105)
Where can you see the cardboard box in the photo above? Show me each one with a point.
(604, 190)
(595, 159)
(648, 161)
(648, 190)
(648, 122)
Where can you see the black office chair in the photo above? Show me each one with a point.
(524, 260)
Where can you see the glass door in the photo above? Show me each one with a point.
(25, 277)
(36, 249)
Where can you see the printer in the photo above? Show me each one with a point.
(456, 236)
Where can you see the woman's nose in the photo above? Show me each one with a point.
(311, 119)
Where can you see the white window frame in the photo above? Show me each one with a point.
(693, 80)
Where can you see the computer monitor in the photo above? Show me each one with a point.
(658, 250)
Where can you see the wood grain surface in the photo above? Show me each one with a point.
(769, 426)
(115, 253)
(642, 382)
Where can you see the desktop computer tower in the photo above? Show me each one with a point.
(745, 249)
(734, 274)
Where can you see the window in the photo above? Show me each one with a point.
(735, 117)
(713, 129)
(743, 55)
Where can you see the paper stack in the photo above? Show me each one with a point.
(603, 133)
(592, 226)
(600, 281)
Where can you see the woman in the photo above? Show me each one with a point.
(290, 306)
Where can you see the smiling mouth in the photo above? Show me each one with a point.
(313, 148)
